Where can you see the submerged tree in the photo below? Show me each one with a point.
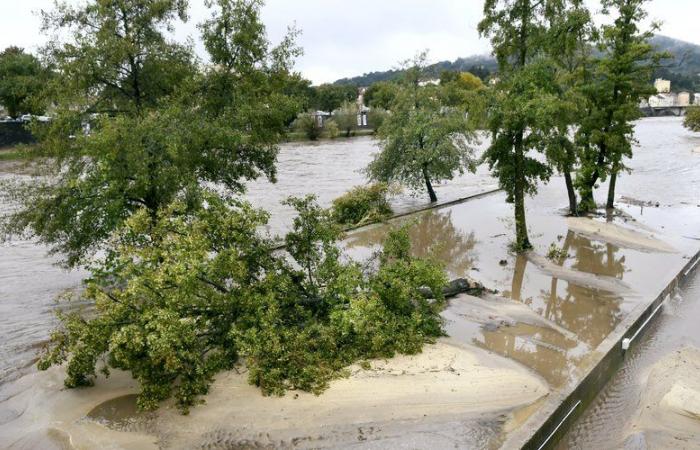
(522, 106)
(422, 141)
(158, 128)
(569, 49)
(619, 82)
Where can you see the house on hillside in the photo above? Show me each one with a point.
(683, 99)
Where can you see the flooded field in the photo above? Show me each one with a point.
(544, 320)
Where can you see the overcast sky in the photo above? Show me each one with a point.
(351, 37)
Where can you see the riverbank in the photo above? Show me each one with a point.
(300, 136)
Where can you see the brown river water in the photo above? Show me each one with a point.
(556, 312)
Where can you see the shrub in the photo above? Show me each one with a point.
(375, 118)
(306, 123)
(331, 128)
(182, 298)
(346, 118)
(362, 204)
(692, 117)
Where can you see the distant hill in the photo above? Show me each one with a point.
(479, 65)
(683, 70)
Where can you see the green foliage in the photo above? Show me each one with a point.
(381, 94)
(160, 129)
(331, 129)
(460, 89)
(183, 297)
(346, 117)
(376, 117)
(570, 54)
(521, 106)
(22, 78)
(692, 118)
(555, 253)
(617, 82)
(329, 97)
(306, 123)
(167, 296)
(362, 204)
(421, 140)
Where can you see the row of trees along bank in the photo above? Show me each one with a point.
(566, 90)
(184, 285)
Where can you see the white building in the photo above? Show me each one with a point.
(697, 99)
(683, 99)
(663, 100)
(662, 86)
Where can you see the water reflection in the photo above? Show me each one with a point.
(544, 322)
(590, 314)
(433, 234)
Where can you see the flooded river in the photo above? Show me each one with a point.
(564, 309)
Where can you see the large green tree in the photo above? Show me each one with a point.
(422, 141)
(519, 119)
(329, 97)
(22, 79)
(381, 94)
(569, 49)
(620, 80)
(159, 127)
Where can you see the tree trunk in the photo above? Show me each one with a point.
(573, 206)
(428, 184)
(522, 242)
(611, 189)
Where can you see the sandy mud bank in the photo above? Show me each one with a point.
(445, 381)
(668, 415)
(616, 234)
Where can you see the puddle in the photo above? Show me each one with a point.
(122, 414)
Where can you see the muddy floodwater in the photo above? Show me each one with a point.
(533, 334)
(607, 424)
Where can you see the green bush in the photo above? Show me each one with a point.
(362, 204)
(692, 117)
(331, 128)
(346, 118)
(375, 118)
(185, 297)
(306, 123)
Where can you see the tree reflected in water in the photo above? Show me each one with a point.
(432, 235)
(590, 314)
